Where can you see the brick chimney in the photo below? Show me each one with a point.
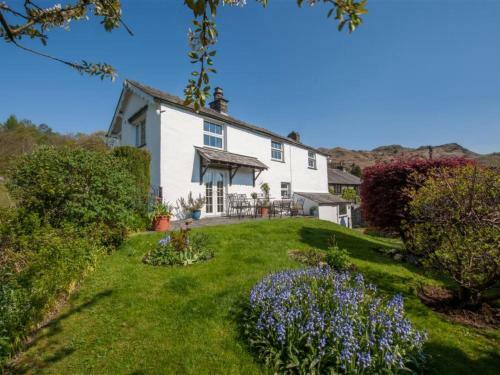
(294, 135)
(219, 103)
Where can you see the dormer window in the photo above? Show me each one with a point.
(213, 135)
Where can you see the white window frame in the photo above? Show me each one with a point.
(140, 133)
(281, 150)
(208, 133)
(311, 157)
(287, 188)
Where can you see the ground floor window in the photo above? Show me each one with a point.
(285, 190)
(342, 209)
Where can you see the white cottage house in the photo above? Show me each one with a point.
(211, 153)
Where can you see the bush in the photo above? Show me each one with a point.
(350, 194)
(383, 190)
(318, 321)
(38, 265)
(454, 227)
(137, 162)
(338, 258)
(88, 189)
(180, 248)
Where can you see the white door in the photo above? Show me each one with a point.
(214, 192)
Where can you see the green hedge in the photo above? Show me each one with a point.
(38, 265)
(77, 186)
(137, 162)
(71, 206)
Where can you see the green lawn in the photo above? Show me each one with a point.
(131, 318)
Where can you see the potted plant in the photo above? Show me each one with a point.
(264, 208)
(192, 205)
(160, 216)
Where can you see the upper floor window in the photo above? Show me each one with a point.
(213, 135)
(140, 134)
(311, 159)
(276, 151)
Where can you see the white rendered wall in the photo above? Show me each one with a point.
(181, 130)
(153, 144)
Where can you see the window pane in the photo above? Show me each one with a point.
(206, 140)
(206, 126)
(220, 196)
(208, 197)
(219, 142)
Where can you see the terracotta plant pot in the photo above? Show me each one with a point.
(264, 211)
(161, 224)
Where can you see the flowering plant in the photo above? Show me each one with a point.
(179, 248)
(318, 321)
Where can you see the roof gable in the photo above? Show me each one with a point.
(336, 176)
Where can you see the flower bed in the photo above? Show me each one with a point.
(179, 248)
(316, 320)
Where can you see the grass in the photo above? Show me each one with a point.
(132, 318)
(4, 196)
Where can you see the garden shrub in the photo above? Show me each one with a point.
(137, 162)
(338, 258)
(180, 248)
(383, 190)
(38, 265)
(88, 189)
(318, 321)
(454, 227)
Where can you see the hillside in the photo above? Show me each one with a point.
(386, 153)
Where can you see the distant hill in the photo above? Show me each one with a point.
(386, 153)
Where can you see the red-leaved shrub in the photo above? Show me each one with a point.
(383, 197)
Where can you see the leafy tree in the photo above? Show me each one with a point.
(356, 170)
(350, 194)
(384, 198)
(19, 137)
(455, 227)
(33, 21)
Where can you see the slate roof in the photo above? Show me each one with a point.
(208, 112)
(228, 158)
(337, 176)
(322, 199)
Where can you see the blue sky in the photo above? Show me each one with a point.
(416, 72)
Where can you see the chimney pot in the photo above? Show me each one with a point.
(219, 103)
(294, 135)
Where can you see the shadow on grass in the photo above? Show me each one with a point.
(444, 359)
(31, 362)
(358, 247)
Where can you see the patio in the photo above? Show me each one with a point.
(223, 220)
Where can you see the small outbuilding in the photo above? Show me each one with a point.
(340, 179)
(327, 207)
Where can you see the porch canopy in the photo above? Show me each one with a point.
(211, 158)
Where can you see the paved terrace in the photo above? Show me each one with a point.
(224, 220)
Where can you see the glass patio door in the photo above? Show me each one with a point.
(214, 193)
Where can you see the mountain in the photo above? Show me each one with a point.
(339, 155)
